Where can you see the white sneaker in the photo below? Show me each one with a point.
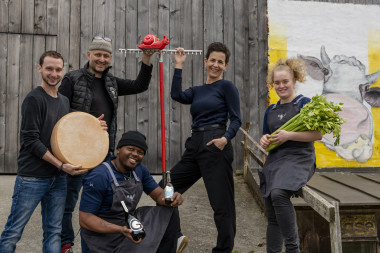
(182, 243)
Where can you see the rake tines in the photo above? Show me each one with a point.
(163, 51)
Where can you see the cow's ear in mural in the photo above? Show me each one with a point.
(370, 95)
(344, 81)
(315, 68)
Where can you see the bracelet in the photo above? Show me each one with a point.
(60, 167)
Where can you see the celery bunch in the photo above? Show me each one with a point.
(318, 115)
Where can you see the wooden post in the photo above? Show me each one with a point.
(319, 204)
(335, 233)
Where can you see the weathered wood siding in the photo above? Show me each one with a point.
(29, 27)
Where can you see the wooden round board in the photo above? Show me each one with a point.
(78, 139)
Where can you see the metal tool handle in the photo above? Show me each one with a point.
(163, 51)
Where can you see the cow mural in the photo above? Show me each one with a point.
(343, 79)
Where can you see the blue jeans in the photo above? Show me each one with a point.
(74, 184)
(28, 193)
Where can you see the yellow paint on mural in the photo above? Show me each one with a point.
(374, 66)
(277, 49)
(374, 53)
(326, 158)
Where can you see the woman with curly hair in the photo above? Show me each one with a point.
(289, 166)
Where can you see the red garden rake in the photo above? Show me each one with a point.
(151, 44)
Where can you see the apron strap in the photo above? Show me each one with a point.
(111, 172)
(298, 99)
(298, 102)
(135, 176)
(295, 102)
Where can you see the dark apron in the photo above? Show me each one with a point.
(290, 165)
(155, 219)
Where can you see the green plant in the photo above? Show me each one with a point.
(318, 115)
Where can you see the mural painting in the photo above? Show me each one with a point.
(340, 44)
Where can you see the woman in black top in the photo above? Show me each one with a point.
(209, 151)
(289, 166)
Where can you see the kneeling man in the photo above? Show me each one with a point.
(124, 178)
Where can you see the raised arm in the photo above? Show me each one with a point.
(184, 97)
(146, 58)
(141, 84)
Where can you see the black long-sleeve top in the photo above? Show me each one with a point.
(40, 112)
(213, 103)
(124, 86)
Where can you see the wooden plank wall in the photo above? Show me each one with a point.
(29, 27)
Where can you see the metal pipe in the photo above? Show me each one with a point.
(162, 114)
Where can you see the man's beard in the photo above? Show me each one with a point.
(97, 71)
(128, 169)
(52, 85)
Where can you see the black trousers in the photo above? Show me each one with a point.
(282, 222)
(169, 240)
(215, 166)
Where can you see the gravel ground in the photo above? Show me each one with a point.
(196, 220)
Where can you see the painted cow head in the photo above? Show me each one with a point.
(343, 75)
(342, 79)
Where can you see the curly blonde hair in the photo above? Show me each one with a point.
(296, 68)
